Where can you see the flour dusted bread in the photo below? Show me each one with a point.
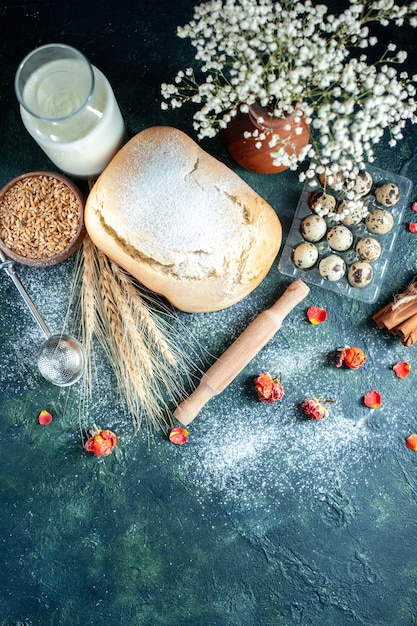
(181, 222)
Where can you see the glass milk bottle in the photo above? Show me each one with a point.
(68, 107)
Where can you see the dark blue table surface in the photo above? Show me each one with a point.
(263, 518)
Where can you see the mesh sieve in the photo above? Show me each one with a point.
(61, 360)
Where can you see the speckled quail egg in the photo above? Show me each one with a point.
(353, 217)
(368, 249)
(379, 221)
(387, 194)
(305, 255)
(321, 202)
(339, 238)
(332, 267)
(363, 183)
(331, 180)
(313, 228)
(360, 274)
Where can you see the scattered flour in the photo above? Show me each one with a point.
(276, 449)
(49, 290)
(256, 458)
(247, 455)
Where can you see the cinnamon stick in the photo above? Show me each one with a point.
(379, 316)
(406, 327)
(399, 316)
(395, 317)
(412, 338)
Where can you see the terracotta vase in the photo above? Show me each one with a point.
(258, 159)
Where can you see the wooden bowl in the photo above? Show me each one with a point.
(41, 218)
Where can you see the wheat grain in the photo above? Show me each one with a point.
(39, 217)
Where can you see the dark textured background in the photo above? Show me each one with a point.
(263, 518)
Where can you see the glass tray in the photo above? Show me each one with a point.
(367, 294)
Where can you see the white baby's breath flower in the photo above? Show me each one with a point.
(297, 57)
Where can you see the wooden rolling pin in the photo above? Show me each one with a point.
(240, 352)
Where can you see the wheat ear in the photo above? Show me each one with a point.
(148, 322)
(137, 340)
(88, 298)
(128, 347)
(169, 358)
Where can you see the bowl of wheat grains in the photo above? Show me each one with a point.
(41, 218)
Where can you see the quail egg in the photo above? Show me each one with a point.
(379, 221)
(313, 227)
(332, 267)
(349, 216)
(331, 180)
(321, 202)
(339, 238)
(387, 194)
(305, 255)
(363, 183)
(368, 249)
(360, 274)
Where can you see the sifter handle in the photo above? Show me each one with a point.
(8, 266)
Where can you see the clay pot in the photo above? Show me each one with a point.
(258, 159)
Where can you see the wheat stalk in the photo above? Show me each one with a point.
(88, 304)
(120, 326)
(147, 361)
(145, 318)
(109, 330)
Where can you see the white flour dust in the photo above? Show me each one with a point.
(252, 455)
(49, 290)
(247, 457)
(241, 452)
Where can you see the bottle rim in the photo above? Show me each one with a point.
(43, 50)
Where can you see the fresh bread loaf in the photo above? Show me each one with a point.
(181, 222)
